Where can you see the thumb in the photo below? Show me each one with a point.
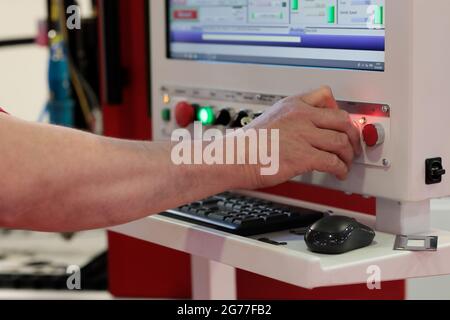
(321, 98)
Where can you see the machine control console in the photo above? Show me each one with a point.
(181, 107)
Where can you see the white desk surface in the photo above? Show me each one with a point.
(294, 263)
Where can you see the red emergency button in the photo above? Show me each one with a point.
(373, 134)
(184, 114)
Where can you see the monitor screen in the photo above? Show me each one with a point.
(345, 34)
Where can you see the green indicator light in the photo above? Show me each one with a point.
(331, 11)
(294, 5)
(379, 15)
(206, 116)
(166, 115)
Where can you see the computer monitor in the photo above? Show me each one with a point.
(328, 34)
(387, 62)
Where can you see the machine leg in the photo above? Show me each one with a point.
(212, 280)
(405, 218)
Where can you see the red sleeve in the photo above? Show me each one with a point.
(1, 110)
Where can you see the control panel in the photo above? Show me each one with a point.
(181, 107)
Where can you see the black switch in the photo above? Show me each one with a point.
(434, 170)
(224, 117)
(237, 123)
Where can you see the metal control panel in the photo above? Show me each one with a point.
(182, 106)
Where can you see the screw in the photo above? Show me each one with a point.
(386, 162)
(385, 109)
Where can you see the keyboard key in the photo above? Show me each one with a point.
(218, 215)
(277, 217)
(210, 201)
(252, 222)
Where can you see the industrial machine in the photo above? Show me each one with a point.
(239, 57)
(223, 62)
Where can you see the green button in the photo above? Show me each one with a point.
(206, 115)
(166, 114)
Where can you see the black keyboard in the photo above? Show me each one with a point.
(243, 215)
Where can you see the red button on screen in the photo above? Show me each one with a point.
(185, 14)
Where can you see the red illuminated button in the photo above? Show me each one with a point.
(373, 134)
(184, 114)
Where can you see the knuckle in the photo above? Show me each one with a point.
(341, 140)
(346, 120)
(344, 115)
(333, 161)
(295, 99)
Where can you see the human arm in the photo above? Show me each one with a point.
(59, 179)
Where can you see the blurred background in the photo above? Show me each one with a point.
(34, 78)
(51, 74)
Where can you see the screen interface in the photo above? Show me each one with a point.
(346, 34)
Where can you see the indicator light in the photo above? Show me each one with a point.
(166, 114)
(331, 12)
(166, 99)
(362, 121)
(206, 115)
(379, 15)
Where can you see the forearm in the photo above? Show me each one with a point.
(56, 179)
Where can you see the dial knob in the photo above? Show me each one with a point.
(237, 123)
(224, 117)
(373, 134)
(184, 114)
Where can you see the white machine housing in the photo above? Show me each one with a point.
(415, 86)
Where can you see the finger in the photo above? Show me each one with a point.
(333, 142)
(330, 163)
(321, 98)
(338, 120)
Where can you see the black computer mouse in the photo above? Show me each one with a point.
(338, 234)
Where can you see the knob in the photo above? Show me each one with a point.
(373, 134)
(238, 123)
(224, 117)
(184, 114)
